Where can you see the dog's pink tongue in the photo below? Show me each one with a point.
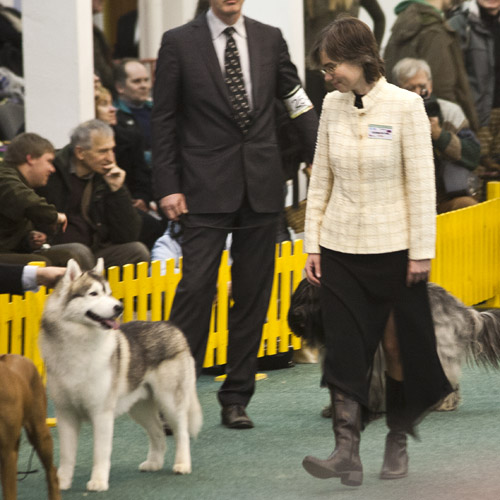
(111, 323)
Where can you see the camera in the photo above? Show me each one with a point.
(431, 105)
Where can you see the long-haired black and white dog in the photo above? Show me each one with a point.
(462, 335)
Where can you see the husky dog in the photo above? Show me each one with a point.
(462, 334)
(97, 371)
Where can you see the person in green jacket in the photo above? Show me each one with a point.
(28, 221)
(421, 32)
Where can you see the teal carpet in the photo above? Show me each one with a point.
(458, 457)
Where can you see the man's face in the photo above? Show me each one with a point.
(137, 86)
(420, 84)
(491, 6)
(41, 169)
(97, 6)
(227, 10)
(100, 156)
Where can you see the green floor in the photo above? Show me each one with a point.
(457, 459)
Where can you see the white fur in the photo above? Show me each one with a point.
(88, 381)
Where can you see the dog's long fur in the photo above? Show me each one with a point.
(96, 372)
(462, 334)
(23, 403)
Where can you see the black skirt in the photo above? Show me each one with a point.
(357, 294)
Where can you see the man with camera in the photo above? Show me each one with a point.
(456, 148)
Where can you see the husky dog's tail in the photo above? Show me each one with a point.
(484, 348)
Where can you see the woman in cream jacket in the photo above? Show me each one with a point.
(370, 236)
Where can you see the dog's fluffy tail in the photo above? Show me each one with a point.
(485, 347)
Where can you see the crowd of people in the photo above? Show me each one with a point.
(399, 139)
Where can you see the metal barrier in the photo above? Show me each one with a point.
(466, 264)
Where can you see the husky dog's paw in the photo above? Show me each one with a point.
(97, 485)
(182, 468)
(151, 465)
(64, 481)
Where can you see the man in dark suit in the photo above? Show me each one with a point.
(217, 167)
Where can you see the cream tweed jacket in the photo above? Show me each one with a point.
(372, 187)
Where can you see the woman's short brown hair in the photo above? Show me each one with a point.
(347, 39)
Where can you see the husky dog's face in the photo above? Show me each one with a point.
(88, 297)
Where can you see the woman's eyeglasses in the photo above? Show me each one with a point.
(330, 69)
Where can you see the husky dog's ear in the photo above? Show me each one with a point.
(73, 270)
(99, 267)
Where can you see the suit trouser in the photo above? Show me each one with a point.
(253, 255)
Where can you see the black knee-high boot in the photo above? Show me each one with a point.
(344, 462)
(395, 456)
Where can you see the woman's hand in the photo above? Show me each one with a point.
(418, 270)
(313, 269)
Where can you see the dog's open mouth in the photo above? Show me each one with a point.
(108, 323)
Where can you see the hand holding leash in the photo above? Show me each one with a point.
(418, 270)
(174, 205)
(313, 269)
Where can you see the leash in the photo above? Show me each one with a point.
(30, 470)
(183, 223)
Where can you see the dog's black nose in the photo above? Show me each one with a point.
(118, 309)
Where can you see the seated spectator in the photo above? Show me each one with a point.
(421, 31)
(168, 246)
(90, 188)
(127, 35)
(28, 221)
(129, 153)
(452, 138)
(11, 40)
(477, 23)
(133, 87)
(103, 62)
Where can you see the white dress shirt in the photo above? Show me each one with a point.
(219, 40)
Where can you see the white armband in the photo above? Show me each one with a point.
(297, 102)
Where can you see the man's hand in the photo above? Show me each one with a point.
(37, 239)
(49, 276)
(313, 269)
(174, 205)
(140, 204)
(114, 176)
(418, 270)
(62, 220)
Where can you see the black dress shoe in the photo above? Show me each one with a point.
(234, 417)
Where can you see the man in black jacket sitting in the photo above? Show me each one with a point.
(89, 187)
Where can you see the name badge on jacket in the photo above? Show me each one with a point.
(380, 132)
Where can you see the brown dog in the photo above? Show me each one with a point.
(23, 403)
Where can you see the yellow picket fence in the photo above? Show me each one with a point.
(466, 264)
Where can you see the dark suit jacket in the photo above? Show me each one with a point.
(198, 148)
(10, 279)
